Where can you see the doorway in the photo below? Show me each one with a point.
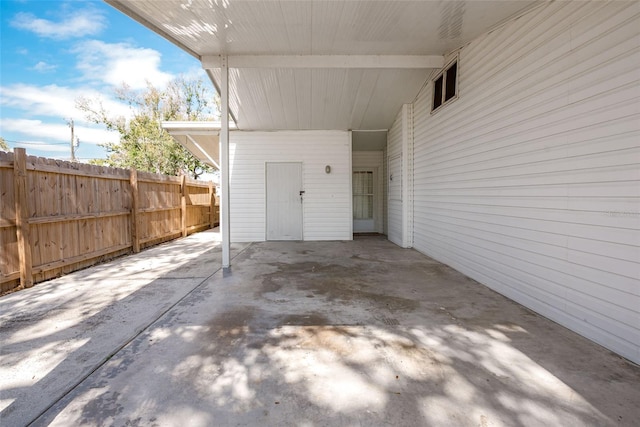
(367, 182)
(365, 200)
(284, 201)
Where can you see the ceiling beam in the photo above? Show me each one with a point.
(326, 61)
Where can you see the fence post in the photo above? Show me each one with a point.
(212, 202)
(135, 235)
(22, 216)
(183, 204)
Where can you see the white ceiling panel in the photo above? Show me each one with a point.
(263, 99)
(321, 97)
(318, 27)
(203, 147)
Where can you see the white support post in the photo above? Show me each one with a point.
(225, 230)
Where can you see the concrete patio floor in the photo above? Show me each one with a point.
(297, 333)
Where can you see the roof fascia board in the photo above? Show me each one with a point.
(178, 127)
(326, 61)
(186, 132)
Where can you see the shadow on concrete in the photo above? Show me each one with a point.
(58, 332)
(352, 333)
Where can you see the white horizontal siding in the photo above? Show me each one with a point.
(394, 202)
(530, 181)
(327, 199)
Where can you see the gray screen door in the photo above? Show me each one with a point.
(364, 200)
(284, 201)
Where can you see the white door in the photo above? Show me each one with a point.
(284, 201)
(395, 178)
(394, 206)
(364, 200)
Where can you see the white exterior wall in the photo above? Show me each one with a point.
(327, 200)
(394, 201)
(374, 159)
(530, 181)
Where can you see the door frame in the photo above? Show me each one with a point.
(266, 195)
(377, 198)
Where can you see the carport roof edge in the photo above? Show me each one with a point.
(178, 127)
(200, 138)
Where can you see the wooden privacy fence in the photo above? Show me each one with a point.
(57, 217)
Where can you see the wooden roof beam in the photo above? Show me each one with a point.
(326, 61)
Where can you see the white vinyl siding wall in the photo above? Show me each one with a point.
(327, 198)
(530, 181)
(394, 202)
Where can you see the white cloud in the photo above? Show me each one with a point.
(43, 67)
(42, 146)
(78, 23)
(56, 131)
(55, 101)
(118, 63)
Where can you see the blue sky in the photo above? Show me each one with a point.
(53, 52)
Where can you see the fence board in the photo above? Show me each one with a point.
(135, 209)
(9, 260)
(183, 206)
(22, 215)
(78, 214)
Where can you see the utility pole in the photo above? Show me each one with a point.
(73, 140)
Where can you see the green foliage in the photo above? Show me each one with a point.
(3, 145)
(143, 144)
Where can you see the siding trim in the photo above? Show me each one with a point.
(407, 175)
(350, 137)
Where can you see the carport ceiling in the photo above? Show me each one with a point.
(265, 95)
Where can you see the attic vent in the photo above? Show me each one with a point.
(445, 85)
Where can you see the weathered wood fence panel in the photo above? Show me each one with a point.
(9, 258)
(159, 199)
(199, 207)
(76, 215)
